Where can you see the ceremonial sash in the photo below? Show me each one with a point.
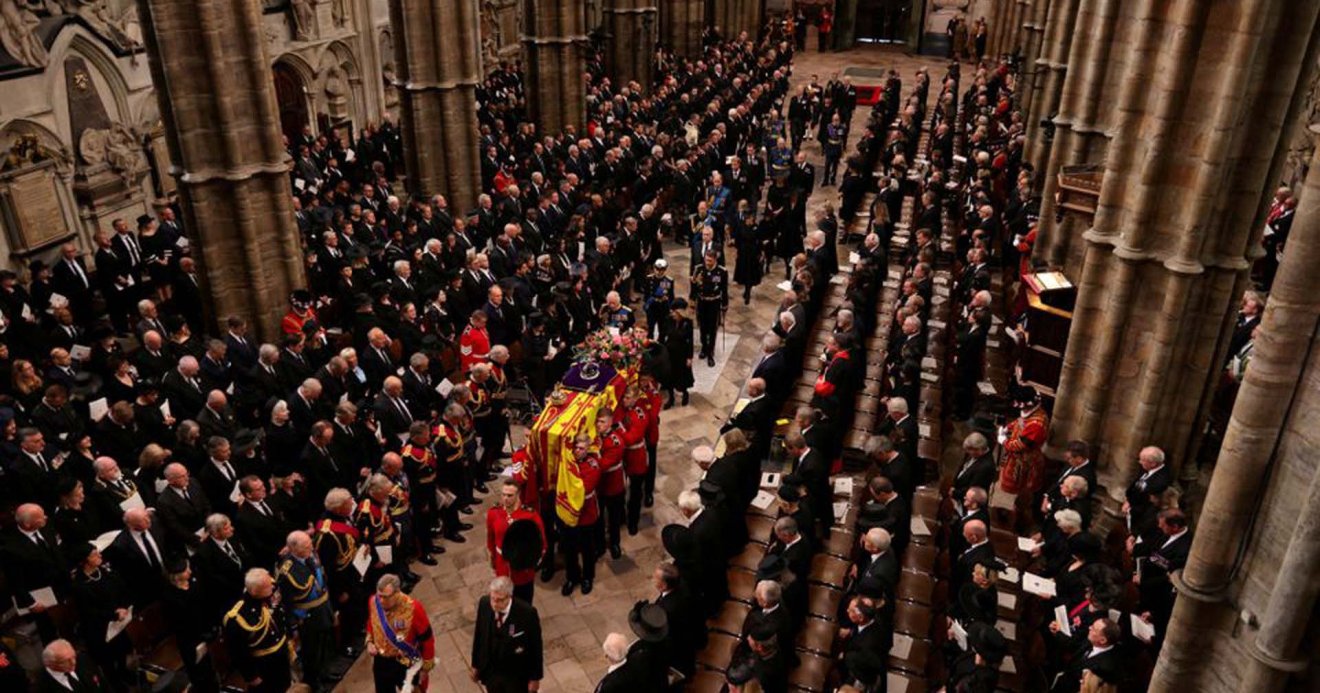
(404, 648)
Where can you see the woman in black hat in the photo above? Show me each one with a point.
(747, 267)
(977, 669)
(71, 520)
(1071, 584)
(677, 338)
(102, 598)
(182, 603)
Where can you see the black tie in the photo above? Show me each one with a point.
(230, 551)
(41, 541)
(41, 462)
(152, 557)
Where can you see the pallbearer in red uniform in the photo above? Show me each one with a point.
(610, 439)
(580, 542)
(474, 344)
(654, 404)
(635, 421)
(499, 519)
(524, 473)
(399, 637)
(1023, 470)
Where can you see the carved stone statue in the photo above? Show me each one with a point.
(336, 92)
(339, 13)
(27, 150)
(304, 19)
(18, 34)
(388, 75)
(99, 15)
(118, 148)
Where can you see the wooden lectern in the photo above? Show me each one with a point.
(1050, 302)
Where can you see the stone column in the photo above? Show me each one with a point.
(681, 22)
(1079, 126)
(735, 16)
(1276, 401)
(217, 99)
(438, 66)
(1033, 37)
(553, 52)
(1059, 29)
(1195, 130)
(630, 28)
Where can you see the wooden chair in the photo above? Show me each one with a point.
(912, 619)
(705, 681)
(750, 558)
(917, 659)
(759, 528)
(742, 585)
(718, 652)
(811, 673)
(909, 684)
(840, 544)
(823, 602)
(915, 587)
(817, 637)
(829, 571)
(920, 559)
(730, 618)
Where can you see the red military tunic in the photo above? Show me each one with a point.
(523, 471)
(410, 624)
(497, 523)
(473, 347)
(1024, 463)
(635, 422)
(589, 472)
(611, 462)
(654, 404)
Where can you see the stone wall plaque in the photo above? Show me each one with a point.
(30, 203)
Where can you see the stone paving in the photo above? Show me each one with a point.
(574, 628)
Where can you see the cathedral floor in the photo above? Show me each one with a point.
(574, 628)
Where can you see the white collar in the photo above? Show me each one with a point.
(1174, 537)
(1146, 475)
(696, 515)
(1099, 650)
(613, 667)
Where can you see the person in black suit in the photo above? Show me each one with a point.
(376, 360)
(393, 413)
(506, 649)
(814, 470)
(240, 350)
(117, 285)
(792, 546)
(1077, 462)
(1142, 500)
(625, 674)
(69, 278)
(971, 508)
(878, 560)
(63, 672)
(862, 660)
(892, 465)
(182, 508)
(1253, 306)
(709, 547)
(1160, 561)
(320, 465)
(183, 387)
(773, 367)
(187, 299)
(1099, 656)
(687, 633)
(261, 528)
(978, 468)
(901, 427)
(305, 406)
(219, 475)
(216, 419)
(30, 545)
(221, 564)
(978, 550)
(32, 475)
(756, 418)
(139, 554)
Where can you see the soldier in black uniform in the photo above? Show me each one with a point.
(305, 593)
(254, 632)
(711, 285)
(659, 295)
(337, 542)
(835, 133)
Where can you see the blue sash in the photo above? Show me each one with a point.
(408, 650)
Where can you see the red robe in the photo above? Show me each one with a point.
(1023, 470)
(293, 323)
(497, 523)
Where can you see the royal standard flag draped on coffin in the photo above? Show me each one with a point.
(586, 389)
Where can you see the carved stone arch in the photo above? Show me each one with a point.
(388, 70)
(339, 85)
(295, 82)
(49, 145)
(95, 54)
